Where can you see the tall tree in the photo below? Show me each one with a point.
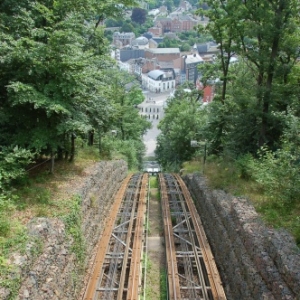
(262, 33)
(139, 15)
(51, 62)
(183, 120)
(222, 27)
(265, 41)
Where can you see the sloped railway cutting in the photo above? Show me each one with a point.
(117, 267)
(192, 272)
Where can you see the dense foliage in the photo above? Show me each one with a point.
(139, 15)
(184, 118)
(253, 122)
(256, 96)
(56, 80)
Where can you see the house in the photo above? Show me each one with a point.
(188, 23)
(208, 91)
(129, 52)
(159, 80)
(164, 23)
(189, 67)
(163, 10)
(140, 43)
(153, 43)
(176, 22)
(143, 66)
(185, 5)
(123, 39)
(162, 54)
(155, 31)
(209, 48)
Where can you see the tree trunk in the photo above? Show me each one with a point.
(59, 153)
(52, 163)
(72, 154)
(91, 138)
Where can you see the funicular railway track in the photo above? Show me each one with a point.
(117, 268)
(192, 272)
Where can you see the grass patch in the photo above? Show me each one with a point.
(153, 182)
(163, 285)
(72, 221)
(14, 240)
(90, 153)
(192, 167)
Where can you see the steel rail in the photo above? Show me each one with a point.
(137, 249)
(173, 278)
(128, 239)
(146, 241)
(185, 247)
(211, 268)
(190, 251)
(113, 275)
(103, 243)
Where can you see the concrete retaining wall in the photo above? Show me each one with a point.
(255, 262)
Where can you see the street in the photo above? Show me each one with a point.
(153, 108)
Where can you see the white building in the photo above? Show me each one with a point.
(154, 12)
(158, 81)
(140, 43)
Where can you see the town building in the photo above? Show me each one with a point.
(163, 54)
(123, 39)
(140, 43)
(158, 81)
(190, 64)
(156, 31)
(128, 53)
(208, 49)
(177, 22)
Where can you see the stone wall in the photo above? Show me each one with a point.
(49, 269)
(255, 262)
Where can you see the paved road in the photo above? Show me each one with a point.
(153, 102)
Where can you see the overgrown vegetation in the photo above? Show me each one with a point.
(163, 285)
(251, 129)
(40, 195)
(73, 221)
(153, 182)
(13, 238)
(59, 88)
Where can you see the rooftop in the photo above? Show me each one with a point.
(155, 74)
(193, 58)
(164, 50)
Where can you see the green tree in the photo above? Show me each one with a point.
(139, 15)
(127, 27)
(126, 123)
(52, 61)
(185, 47)
(183, 120)
(248, 29)
(266, 42)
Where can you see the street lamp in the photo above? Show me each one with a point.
(196, 144)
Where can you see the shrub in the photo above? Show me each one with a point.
(12, 165)
(278, 173)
